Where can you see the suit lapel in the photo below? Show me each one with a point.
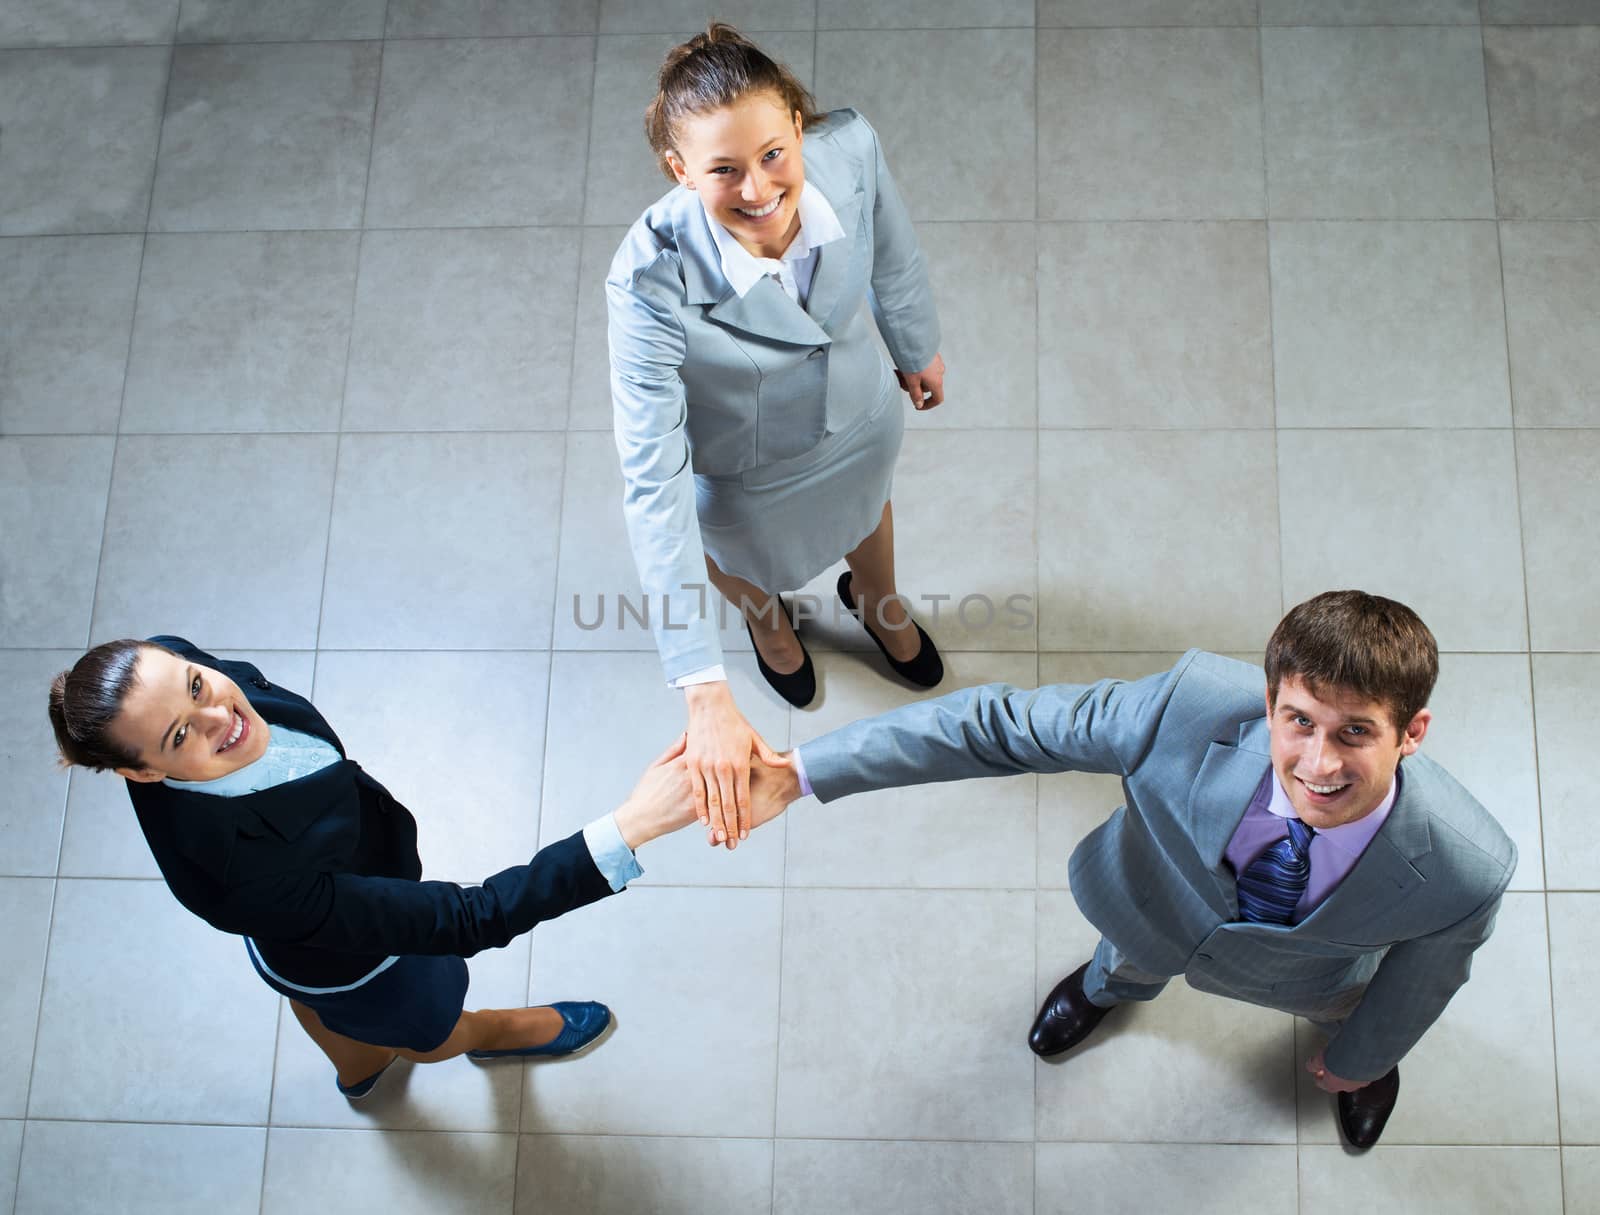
(1222, 790)
(833, 263)
(1385, 874)
(766, 311)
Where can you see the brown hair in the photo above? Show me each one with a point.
(710, 72)
(86, 700)
(1360, 643)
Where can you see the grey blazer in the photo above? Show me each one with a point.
(703, 381)
(1394, 939)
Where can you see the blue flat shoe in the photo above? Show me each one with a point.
(582, 1022)
(361, 1088)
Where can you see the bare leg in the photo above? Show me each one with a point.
(489, 1029)
(872, 583)
(770, 628)
(353, 1061)
(494, 1029)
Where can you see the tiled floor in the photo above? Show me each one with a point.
(302, 356)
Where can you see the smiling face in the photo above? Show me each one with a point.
(1336, 754)
(186, 721)
(744, 161)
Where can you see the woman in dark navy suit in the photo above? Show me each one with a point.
(263, 827)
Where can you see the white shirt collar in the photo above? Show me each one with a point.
(1351, 838)
(819, 225)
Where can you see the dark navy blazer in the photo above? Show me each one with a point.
(323, 873)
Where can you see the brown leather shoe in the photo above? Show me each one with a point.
(1065, 1018)
(1364, 1113)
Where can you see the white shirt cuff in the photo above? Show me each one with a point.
(612, 857)
(703, 675)
(800, 773)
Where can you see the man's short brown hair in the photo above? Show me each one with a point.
(1355, 642)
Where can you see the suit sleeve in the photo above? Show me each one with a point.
(1406, 994)
(994, 730)
(650, 418)
(357, 914)
(902, 299)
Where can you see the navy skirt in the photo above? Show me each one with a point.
(411, 1002)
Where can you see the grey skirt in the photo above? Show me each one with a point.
(780, 525)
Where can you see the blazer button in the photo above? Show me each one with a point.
(261, 683)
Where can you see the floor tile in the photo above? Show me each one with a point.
(961, 959)
(81, 130)
(623, 175)
(598, 575)
(260, 587)
(88, 23)
(1482, 733)
(452, 535)
(984, 279)
(392, 1172)
(1563, 697)
(119, 953)
(69, 306)
(1580, 1168)
(1146, 12)
(1552, 277)
(1181, 137)
(463, 330)
(623, 699)
(978, 833)
(1369, 12)
(141, 1169)
(696, 1037)
(490, 18)
(1558, 475)
(101, 837)
(26, 903)
(239, 149)
(590, 407)
(948, 105)
(1574, 940)
(1432, 1181)
(456, 1095)
(10, 1156)
(653, 16)
(241, 332)
(821, 1176)
(1185, 1068)
(1150, 325)
(279, 20)
(1426, 517)
(1544, 103)
(595, 1175)
(53, 506)
(1388, 323)
(456, 143)
(480, 813)
(35, 783)
(1177, 547)
(1376, 124)
(922, 14)
(1540, 12)
(1484, 1072)
(1197, 1178)
(964, 520)
(1071, 804)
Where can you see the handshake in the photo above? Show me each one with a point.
(671, 794)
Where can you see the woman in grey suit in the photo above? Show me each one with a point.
(755, 417)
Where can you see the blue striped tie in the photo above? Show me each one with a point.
(1271, 885)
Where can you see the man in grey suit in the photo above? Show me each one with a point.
(1281, 854)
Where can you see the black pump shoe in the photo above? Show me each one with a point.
(798, 687)
(925, 670)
